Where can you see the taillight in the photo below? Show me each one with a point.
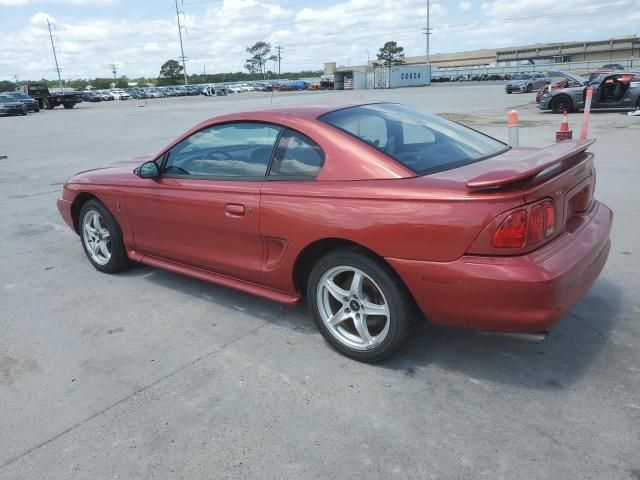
(536, 224)
(549, 219)
(512, 232)
(521, 228)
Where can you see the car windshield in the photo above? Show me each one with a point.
(422, 142)
(4, 99)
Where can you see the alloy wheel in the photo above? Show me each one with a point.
(96, 237)
(353, 308)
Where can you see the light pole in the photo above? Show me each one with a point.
(367, 56)
(427, 30)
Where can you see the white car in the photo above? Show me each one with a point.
(236, 88)
(119, 94)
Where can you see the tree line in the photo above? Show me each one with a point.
(256, 65)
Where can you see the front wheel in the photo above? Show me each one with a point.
(529, 88)
(561, 104)
(102, 238)
(359, 305)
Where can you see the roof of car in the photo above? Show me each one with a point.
(306, 111)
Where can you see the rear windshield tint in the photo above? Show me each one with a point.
(421, 142)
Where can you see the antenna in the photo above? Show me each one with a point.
(180, 27)
(53, 48)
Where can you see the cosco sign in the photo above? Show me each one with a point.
(410, 76)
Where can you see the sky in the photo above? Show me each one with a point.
(139, 35)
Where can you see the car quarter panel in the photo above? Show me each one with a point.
(417, 218)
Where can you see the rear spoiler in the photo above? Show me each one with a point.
(529, 165)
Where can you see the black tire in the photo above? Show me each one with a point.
(529, 88)
(68, 105)
(509, 92)
(47, 104)
(401, 308)
(118, 260)
(561, 104)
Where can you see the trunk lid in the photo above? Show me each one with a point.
(563, 173)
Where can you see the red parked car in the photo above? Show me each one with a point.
(376, 213)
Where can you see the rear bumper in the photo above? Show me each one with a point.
(527, 293)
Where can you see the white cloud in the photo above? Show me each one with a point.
(465, 5)
(19, 3)
(41, 18)
(311, 34)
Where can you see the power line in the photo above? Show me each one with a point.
(53, 48)
(184, 66)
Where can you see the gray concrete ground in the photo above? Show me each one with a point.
(151, 375)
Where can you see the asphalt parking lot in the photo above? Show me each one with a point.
(148, 374)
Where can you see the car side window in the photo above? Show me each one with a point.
(241, 149)
(297, 156)
(414, 134)
(370, 128)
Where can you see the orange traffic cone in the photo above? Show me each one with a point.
(564, 133)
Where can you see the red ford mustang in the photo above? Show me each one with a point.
(374, 212)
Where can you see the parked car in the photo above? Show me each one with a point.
(90, 96)
(526, 82)
(106, 95)
(31, 103)
(611, 90)
(296, 85)
(119, 94)
(156, 93)
(211, 91)
(11, 106)
(372, 211)
(612, 66)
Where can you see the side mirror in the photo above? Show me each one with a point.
(147, 170)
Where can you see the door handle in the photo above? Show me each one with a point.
(234, 210)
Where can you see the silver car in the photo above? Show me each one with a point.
(610, 90)
(526, 82)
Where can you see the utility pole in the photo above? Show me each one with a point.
(427, 30)
(279, 49)
(180, 27)
(114, 69)
(53, 47)
(15, 76)
(367, 56)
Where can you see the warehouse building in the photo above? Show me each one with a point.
(621, 50)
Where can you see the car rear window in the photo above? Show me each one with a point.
(421, 142)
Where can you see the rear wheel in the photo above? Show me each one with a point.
(47, 104)
(102, 238)
(68, 105)
(561, 104)
(359, 305)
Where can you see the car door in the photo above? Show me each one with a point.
(203, 209)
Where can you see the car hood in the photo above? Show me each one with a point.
(571, 76)
(11, 104)
(118, 173)
(567, 90)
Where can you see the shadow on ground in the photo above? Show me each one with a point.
(559, 361)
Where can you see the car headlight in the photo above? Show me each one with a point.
(546, 95)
